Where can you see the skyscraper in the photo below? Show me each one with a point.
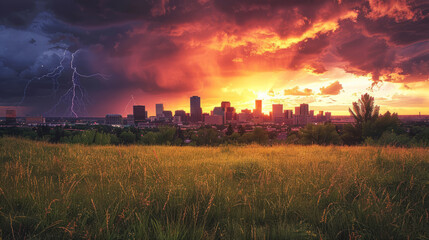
(196, 111)
(288, 114)
(258, 107)
(225, 105)
(159, 109)
(278, 115)
(139, 112)
(297, 111)
(303, 109)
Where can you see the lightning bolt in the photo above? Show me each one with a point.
(76, 95)
(126, 106)
(54, 75)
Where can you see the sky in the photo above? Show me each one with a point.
(91, 58)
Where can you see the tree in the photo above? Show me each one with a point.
(364, 110)
(229, 130)
(364, 113)
(320, 134)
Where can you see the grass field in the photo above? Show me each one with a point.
(54, 191)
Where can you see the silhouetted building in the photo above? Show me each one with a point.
(113, 119)
(303, 109)
(277, 114)
(130, 120)
(311, 113)
(196, 111)
(168, 115)
(140, 114)
(10, 116)
(35, 120)
(288, 114)
(225, 105)
(159, 110)
(230, 114)
(182, 114)
(328, 116)
(258, 107)
(218, 111)
(297, 111)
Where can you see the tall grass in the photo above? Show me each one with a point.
(250, 192)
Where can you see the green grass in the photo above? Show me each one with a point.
(54, 191)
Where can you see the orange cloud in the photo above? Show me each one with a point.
(333, 89)
(296, 92)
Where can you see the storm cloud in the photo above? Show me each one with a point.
(181, 47)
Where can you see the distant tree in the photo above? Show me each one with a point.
(325, 134)
(260, 135)
(206, 137)
(241, 130)
(229, 130)
(127, 137)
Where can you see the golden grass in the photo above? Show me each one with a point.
(230, 192)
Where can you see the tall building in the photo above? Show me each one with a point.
(159, 109)
(303, 109)
(230, 114)
(297, 111)
(312, 113)
(225, 105)
(218, 111)
(288, 114)
(196, 111)
(258, 107)
(328, 116)
(277, 114)
(139, 112)
(10, 116)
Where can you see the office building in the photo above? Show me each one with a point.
(230, 114)
(303, 109)
(297, 111)
(277, 113)
(258, 107)
(113, 119)
(225, 105)
(167, 115)
(182, 114)
(327, 116)
(288, 114)
(10, 116)
(130, 120)
(159, 109)
(196, 111)
(140, 114)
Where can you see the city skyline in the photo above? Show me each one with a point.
(87, 58)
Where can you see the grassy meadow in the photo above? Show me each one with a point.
(55, 191)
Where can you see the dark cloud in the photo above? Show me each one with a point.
(17, 13)
(172, 46)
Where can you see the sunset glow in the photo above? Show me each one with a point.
(324, 53)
